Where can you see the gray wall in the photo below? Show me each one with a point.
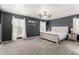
(0, 33)
(65, 21)
(0, 16)
(0, 26)
(7, 26)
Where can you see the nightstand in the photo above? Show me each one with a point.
(72, 36)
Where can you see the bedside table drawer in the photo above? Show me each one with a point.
(72, 36)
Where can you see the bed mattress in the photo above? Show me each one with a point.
(61, 35)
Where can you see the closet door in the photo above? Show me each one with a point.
(33, 28)
(29, 34)
(37, 27)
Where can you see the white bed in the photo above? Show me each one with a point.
(56, 34)
(61, 35)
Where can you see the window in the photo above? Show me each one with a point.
(76, 25)
(18, 28)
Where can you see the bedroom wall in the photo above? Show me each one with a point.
(65, 21)
(0, 26)
(7, 26)
(0, 16)
(0, 32)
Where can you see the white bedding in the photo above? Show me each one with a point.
(61, 35)
(61, 31)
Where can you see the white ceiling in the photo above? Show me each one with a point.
(33, 10)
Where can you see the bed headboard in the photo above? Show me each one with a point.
(60, 29)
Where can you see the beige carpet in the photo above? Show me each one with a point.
(37, 46)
